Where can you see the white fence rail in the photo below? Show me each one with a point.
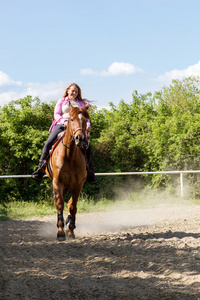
(125, 173)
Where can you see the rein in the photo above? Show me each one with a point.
(73, 137)
(68, 143)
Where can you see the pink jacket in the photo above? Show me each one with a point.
(58, 113)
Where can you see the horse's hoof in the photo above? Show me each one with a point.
(61, 237)
(70, 235)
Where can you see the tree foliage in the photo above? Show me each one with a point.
(155, 132)
(23, 130)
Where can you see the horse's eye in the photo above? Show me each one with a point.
(72, 119)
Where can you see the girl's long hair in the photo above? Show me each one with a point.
(79, 93)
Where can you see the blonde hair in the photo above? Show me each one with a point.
(79, 92)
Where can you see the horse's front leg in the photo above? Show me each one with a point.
(58, 197)
(72, 209)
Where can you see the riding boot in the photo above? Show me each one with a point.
(39, 173)
(91, 178)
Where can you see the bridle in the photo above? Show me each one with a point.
(73, 133)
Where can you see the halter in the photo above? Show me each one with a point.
(73, 136)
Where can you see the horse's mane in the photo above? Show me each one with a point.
(79, 110)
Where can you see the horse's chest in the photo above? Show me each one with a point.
(73, 176)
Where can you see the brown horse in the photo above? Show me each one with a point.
(67, 168)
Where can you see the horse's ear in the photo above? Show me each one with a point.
(87, 106)
(70, 105)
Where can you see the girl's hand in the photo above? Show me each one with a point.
(88, 128)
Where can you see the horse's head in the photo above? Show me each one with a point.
(78, 120)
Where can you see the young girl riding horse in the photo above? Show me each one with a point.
(61, 116)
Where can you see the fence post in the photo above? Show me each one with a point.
(181, 182)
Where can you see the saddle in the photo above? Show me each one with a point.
(58, 140)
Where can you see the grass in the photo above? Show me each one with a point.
(22, 209)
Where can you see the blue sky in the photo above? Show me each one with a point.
(109, 48)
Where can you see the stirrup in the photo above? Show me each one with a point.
(38, 174)
(91, 178)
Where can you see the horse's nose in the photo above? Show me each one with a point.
(79, 139)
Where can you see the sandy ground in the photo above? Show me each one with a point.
(139, 254)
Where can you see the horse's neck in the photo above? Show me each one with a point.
(69, 142)
(68, 135)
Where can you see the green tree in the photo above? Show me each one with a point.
(24, 127)
(126, 136)
(176, 134)
(176, 129)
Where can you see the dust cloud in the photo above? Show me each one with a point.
(130, 209)
(134, 206)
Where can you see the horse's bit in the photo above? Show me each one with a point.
(73, 136)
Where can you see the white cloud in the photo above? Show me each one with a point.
(116, 68)
(88, 72)
(47, 92)
(6, 80)
(6, 97)
(193, 70)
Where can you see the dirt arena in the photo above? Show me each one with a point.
(139, 254)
